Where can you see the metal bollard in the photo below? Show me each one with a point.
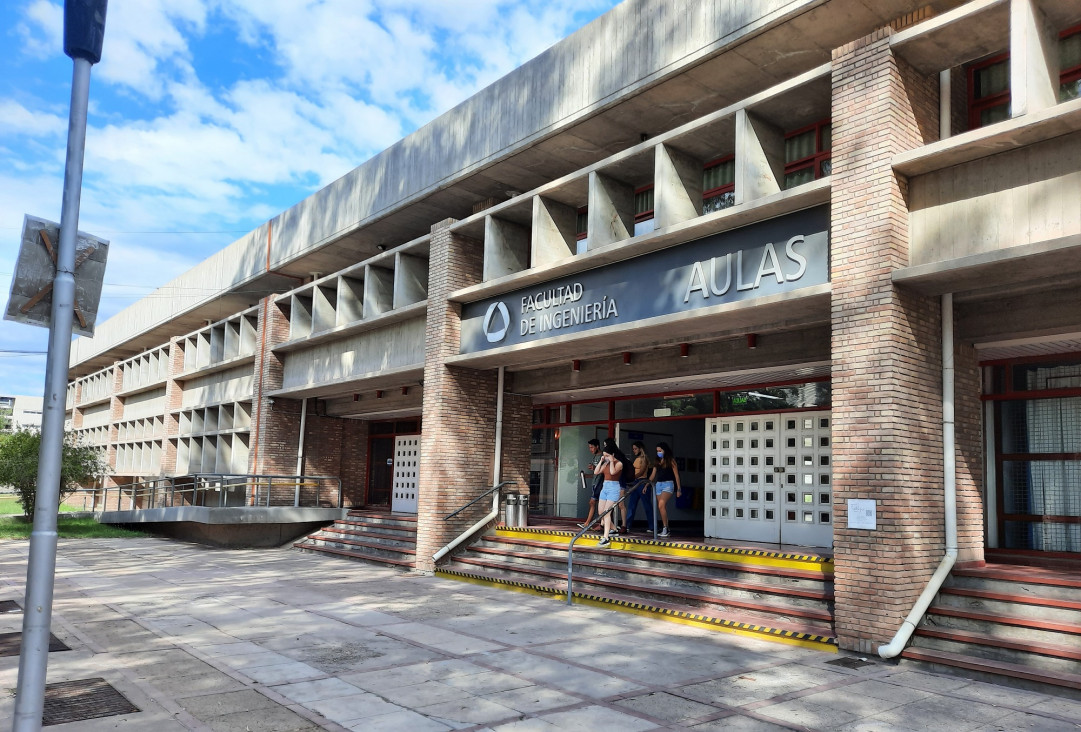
(510, 512)
(521, 517)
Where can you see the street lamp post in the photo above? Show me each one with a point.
(84, 29)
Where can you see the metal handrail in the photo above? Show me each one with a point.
(202, 482)
(600, 517)
(497, 489)
(486, 493)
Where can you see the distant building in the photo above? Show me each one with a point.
(17, 412)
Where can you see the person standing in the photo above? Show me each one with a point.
(610, 467)
(665, 478)
(598, 481)
(640, 490)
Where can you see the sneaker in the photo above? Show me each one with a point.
(604, 542)
(614, 532)
(663, 532)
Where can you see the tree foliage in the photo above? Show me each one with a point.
(19, 465)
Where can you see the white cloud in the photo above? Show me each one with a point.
(15, 119)
(42, 29)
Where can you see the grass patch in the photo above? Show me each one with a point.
(10, 506)
(67, 528)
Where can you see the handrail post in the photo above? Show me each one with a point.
(269, 487)
(296, 493)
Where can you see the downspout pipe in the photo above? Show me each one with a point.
(949, 469)
(497, 463)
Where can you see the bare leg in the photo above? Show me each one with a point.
(623, 508)
(662, 507)
(604, 506)
(592, 508)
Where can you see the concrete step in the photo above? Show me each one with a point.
(376, 536)
(1042, 656)
(355, 555)
(796, 631)
(638, 554)
(382, 518)
(1033, 582)
(659, 575)
(1014, 626)
(1012, 602)
(400, 550)
(1019, 675)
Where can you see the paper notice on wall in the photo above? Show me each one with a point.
(862, 514)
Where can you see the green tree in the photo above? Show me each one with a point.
(19, 465)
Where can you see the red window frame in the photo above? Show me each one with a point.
(818, 157)
(644, 215)
(580, 235)
(975, 106)
(722, 189)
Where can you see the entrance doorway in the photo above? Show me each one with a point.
(383, 448)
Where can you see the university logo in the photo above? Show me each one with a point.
(495, 328)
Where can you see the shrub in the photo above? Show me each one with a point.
(19, 465)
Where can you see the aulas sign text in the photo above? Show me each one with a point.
(767, 258)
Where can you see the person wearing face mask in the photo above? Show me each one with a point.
(610, 466)
(642, 492)
(665, 478)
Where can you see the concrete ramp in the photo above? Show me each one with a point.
(227, 527)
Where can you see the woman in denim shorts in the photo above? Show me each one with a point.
(610, 466)
(665, 478)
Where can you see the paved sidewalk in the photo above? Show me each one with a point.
(277, 641)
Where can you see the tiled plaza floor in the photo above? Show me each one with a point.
(277, 641)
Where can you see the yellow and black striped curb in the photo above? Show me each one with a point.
(760, 557)
(805, 640)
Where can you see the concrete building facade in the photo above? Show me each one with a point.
(827, 249)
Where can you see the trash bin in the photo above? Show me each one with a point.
(521, 519)
(510, 512)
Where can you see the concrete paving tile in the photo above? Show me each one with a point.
(574, 679)
(179, 687)
(1068, 708)
(886, 691)
(282, 672)
(469, 710)
(354, 615)
(862, 705)
(809, 714)
(398, 721)
(1028, 721)
(275, 719)
(931, 712)
(227, 650)
(440, 639)
(928, 682)
(424, 694)
(378, 653)
(750, 687)
(1001, 695)
(533, 699)
(158, 664)
(486, 683)
(667, 707)
(740, 723)
(307, 691)
(347, 709)
(134, 722)
(596, 718)
(216, 705)
(412, 674)
(253, 660)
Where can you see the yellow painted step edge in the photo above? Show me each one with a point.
(693, 551)
(804, 640)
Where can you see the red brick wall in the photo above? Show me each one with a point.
(517, 447)
(275, 427)
(354, 462)
(968, 435)
(459, 404)
(174, 396)
(886, 352)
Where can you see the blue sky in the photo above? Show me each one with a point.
(207, 117)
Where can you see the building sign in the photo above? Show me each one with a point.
(767, 258)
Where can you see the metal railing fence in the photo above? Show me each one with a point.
(220, 490)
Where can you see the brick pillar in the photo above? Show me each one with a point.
(174, 399)
(354, 466)
(275, 428)
(116, 414)
(968, 434)
(517, 444)
(887, 415)
(459, 404)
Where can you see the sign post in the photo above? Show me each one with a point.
(84, 30)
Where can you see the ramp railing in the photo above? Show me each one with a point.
(221, 490)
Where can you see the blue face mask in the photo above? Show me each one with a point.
(660, 455)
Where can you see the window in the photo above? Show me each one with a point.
(989, 81)
(581, 229)
(807, 154)
(643, 210)
(719, 185)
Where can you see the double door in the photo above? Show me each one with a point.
(768, 478)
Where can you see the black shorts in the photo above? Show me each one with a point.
(597, 485)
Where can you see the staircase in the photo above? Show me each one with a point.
(371, 536)
(1006, 622)
(769, 595)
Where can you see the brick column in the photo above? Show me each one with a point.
(275, 428)
(174, 398)
(887, 415)
(354, 465)
(459, 404)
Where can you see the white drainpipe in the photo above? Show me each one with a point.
(949, 469)
(497, 464)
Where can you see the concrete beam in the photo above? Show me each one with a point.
(760, 158)
(611, 210)
(1034, 60)
(677, 187)
(554, 235)
(506, 248)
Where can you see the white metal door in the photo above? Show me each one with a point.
(406, 463)
(768, 478)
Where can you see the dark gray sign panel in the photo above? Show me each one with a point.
(767, 258)
(31, 286)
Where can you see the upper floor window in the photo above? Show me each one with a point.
(989, 81)
(643, 210)
(581, 229)
(807, 154)
(719, 184)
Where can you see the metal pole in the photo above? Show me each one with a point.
(41, 567)
(497, 463)
(300, 448)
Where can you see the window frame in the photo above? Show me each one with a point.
(718, 191)
(648, 214)
(819, 156)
